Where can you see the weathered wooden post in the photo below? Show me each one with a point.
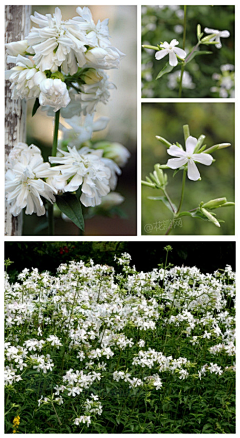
(17, 26)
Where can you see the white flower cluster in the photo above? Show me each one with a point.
(101, 319)
(56, 50)
(29, 178)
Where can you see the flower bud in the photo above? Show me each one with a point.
(215, 203)
(163, 141)
(159, 174)
(91, 76)
(210, 217)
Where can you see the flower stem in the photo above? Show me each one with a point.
(184, 42)
(54, 153)
(183, 187)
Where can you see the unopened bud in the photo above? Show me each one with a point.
(210, 217)
(159, 174)
(215, 203)
(91, 76)
(163, 141)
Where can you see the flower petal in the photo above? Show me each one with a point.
(173, 59)
(193, 172)
(174, 42)
(224, 34)
(175, 163)
(175, 151)
(191, 144)
(161, 53)
(203, 159)
(180, 52)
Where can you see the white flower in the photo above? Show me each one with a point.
(174, 78)
(218, 34)
(115, 151)
(172, 51)
(25, 78)
(56, 43)
(188, 157)
(92, 94)
(115, 170)
(17, 47)
(84, 168)
(25, 186)
(54, 93)
(111, 200)
(97, 34)
(82, 129)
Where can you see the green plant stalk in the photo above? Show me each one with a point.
(54, 153)
(184, 42)
(182, 193)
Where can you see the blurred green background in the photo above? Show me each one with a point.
(216, 122)
(207, 256)
(164, 23)
(122, 127)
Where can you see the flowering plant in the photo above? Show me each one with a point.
(179, 53)
(91, 351)
(62, 65)
(186, 160)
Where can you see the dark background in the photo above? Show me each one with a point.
(207, 256)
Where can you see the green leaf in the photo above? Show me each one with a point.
(35, 106)
(166, 69)
(164, 200)
(197, 53)
(70, 205)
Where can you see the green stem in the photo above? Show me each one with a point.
(169, 200)
(54, 153)
(184, 42)
(182, 193)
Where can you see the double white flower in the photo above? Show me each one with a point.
(25, 182)
(85, 169)
(188, 157)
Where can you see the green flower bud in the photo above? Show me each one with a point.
(186, 132)
(163, 141)
(159, 174)
(210, 217)
(199, 143)
(145, 46)
(215, 203)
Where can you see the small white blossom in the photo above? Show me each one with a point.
(172, 51)
(218, 34)
(188, 157)
(53, 92)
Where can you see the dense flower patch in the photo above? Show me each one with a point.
(92, 351)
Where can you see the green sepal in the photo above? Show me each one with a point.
(70, 205)
(166, 69)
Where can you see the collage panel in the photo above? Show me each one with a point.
(120, 295)
(73, 172)
(188, 51)
(188, 169)
(100, 340)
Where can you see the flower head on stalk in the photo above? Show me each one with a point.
(172, 51)
(217, 34)
(188, 157)
(85, 169)
(25, 183)
(81, 129)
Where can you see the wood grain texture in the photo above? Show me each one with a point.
(17, 26)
